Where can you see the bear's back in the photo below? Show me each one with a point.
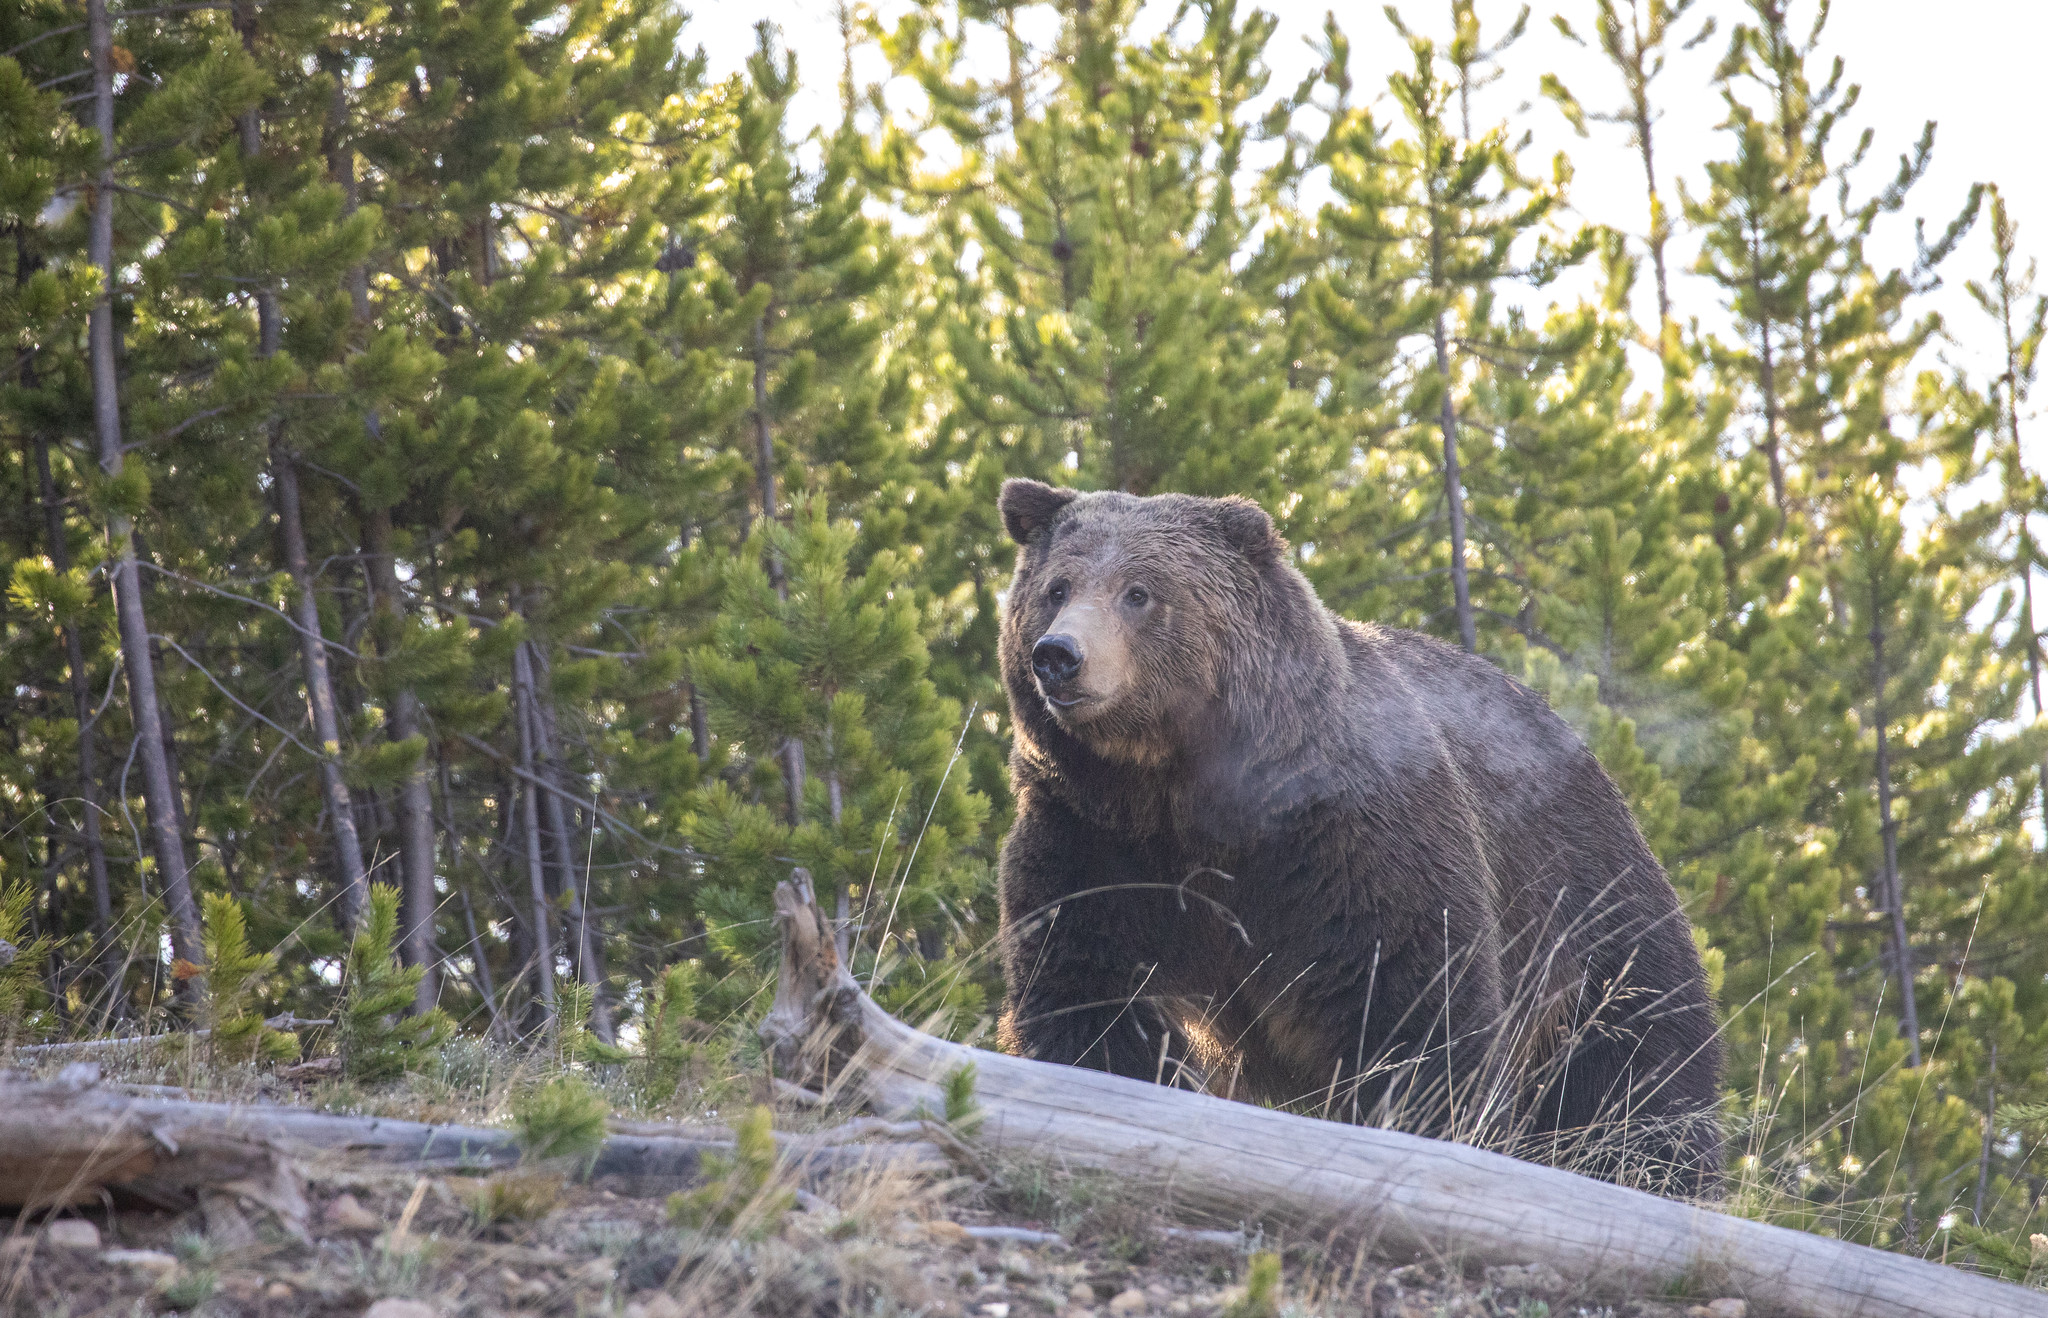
(1547, 810)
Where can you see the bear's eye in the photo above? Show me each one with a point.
(1137, 597)
(1057, 593)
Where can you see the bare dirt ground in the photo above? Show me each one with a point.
(392, 1244)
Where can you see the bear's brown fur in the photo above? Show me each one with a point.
(1263, 849)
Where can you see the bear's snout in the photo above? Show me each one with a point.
(1056, 660)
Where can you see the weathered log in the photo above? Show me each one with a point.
(66, 1140)
(1403, 1194)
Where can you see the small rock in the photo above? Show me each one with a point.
(241, 1286)
(597, 1272)
(1726, 1308)
(1130, 1301)
(1178, 1307)
(943, 1232)
(277, 1290)
(71, 1233)
(1014, 1264)
(319, 1068)
(143, 1260)
(1538, 1277)
(347, 1213)
(1159, 1291)
(996, 1310)
(537, 1289)
(1081, 1293)
(396, 1308)
(658, 1305)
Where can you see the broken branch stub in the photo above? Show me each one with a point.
(813, 1026)
(1404, 1195)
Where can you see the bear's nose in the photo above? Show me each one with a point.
(1056, 660)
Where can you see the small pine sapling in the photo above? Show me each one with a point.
(963, 1113)
(377, 1039)
(560, 1118)
(2014, 1257)
(1261, 1298)
(738, 1190)
(233, 974)
(666, 1048)
(21, 963)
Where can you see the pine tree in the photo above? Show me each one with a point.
(1634, 44)
(2005, 295)
(836, 661)
(376, 1039)
(234, 973)
(1431, 221)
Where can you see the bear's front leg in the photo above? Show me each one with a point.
(1079, 935)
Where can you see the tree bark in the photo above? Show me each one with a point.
(1402, 1195)
(124, 575)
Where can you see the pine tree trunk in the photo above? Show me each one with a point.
(125, 576)
(485, 981)
(1658, 227)
(350, 877)
(586, 950)
(1767, 382)
(416, 842)
(764, 478)
(700, 724)
(529, 811)
(2033, 658)
(1895, 888)
(348, 850)
(1990, 1129)
(105, 954)
(1454, 495)
(835, 802)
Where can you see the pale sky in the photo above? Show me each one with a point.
(1970, 65)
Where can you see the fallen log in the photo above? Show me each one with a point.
(66, 1141)
(79, 1049)
(1405, 1195)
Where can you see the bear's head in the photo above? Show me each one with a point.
(1132, 620)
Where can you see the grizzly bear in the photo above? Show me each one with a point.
(1272, 853)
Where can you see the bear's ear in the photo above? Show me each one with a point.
(1247, 528)
(1028, 505)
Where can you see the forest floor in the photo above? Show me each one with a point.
(1026, 1241)
(594, 1251)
